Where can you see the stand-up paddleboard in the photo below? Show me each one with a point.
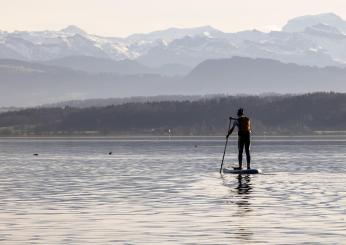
(242, 171)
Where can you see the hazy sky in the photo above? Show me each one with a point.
(124, 17)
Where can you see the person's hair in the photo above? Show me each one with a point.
(240, 112)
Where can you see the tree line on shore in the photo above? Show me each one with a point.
(270, 115)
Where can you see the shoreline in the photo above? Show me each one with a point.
(178, 137)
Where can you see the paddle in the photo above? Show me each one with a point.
(224, 151)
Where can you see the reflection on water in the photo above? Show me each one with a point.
(243, 233)
(244, 185)
(170, 192)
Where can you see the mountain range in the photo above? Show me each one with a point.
(316, 40)
(308, 55)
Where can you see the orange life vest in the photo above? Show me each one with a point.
(244, 124)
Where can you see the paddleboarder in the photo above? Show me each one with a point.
(244, 132)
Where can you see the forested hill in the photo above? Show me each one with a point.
(299, 114)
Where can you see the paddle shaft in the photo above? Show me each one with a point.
(224, 151)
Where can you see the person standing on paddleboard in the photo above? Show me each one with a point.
(244, 132)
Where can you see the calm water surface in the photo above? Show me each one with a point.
(159, 191)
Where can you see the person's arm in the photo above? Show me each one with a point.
(231, 130)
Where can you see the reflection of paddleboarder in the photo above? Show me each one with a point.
(243, 184)
(244, 131)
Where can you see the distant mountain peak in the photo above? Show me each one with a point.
(330, 15)
(176, 33)
(207, 28)
(72, 29)
(322, 28)
(299, 24)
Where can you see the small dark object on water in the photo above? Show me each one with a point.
(196, 146)
(110, 153)
(35, 154)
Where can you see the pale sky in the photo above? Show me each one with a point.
(124, 17)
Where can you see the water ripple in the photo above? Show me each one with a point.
(170, 192)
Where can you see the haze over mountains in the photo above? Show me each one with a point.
(33, 84)
(50, 66)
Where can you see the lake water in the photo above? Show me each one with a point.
(160, 191)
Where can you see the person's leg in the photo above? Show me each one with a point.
(240, 151)
(247, 151)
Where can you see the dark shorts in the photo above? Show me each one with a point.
(244, 141)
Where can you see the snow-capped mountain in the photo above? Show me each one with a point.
(176, 33)
(71, 41)
(72, 29)
(301, 23)
(317, 40)
(189, 51)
